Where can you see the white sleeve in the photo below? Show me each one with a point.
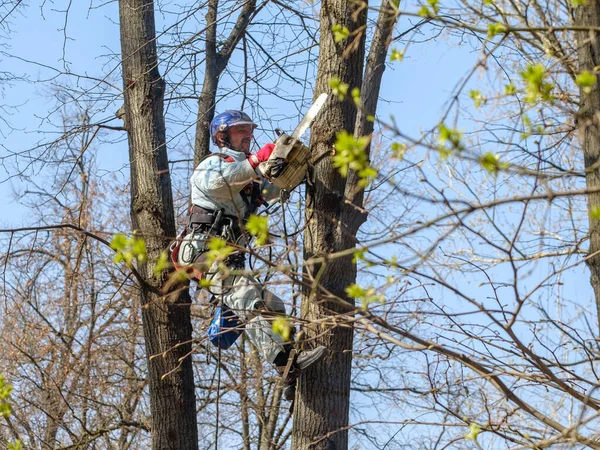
(221, 179)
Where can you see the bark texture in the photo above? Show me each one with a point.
(371, 85)
(323, 397)
(166, 323)
(216, 61)
(588, 55)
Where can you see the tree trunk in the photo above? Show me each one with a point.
(208, 96)
(215, 64)
(323, 397)
(369, 98)
(167, 324)
(588, 55)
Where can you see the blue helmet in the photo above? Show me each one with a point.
(230, 118)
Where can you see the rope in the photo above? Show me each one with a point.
(218, 397)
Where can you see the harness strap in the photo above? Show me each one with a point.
(199, 216)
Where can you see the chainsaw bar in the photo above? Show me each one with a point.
(310, 116)
(287, 164)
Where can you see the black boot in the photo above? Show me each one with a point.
(289, 387)
(307, 358)
(301, 363)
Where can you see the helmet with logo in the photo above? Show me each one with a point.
(222, 122)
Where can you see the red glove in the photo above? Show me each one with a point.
(261, 156)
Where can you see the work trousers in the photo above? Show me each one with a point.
(251, 302)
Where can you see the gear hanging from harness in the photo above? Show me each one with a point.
(188, 250)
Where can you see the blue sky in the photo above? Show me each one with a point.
(93, 40)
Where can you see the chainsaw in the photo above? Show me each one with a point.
(288, 163)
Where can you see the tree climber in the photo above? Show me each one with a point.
(226, 189)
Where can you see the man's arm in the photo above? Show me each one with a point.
(216, 176)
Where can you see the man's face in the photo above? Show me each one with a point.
(240, 137)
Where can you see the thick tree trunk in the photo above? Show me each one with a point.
(323, 399)
(589, 122)
(167, 324)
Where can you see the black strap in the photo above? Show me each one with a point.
(200, 217)
(252, 197)
(197, 218)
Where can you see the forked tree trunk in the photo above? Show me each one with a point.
(323, 398)
(336, 209)
(588, 55)
(167, 324)
(216, 62)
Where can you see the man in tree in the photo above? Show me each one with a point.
(226, 189)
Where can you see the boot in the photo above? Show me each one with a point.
(289, 388)
(307, 358)
(302, 362)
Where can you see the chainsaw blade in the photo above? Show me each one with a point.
(310, 116)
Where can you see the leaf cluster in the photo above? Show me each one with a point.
(258, 227)
(350, 153)
(129, 248)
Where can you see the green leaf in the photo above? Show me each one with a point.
(510, 89)
(204, 283)
(435, 5)
(492, 163)
(366, 296)
(496, 28)
(359, 255)
(218, 250)
(6, 408)
(396, 55)
(586, 80)
(355, 291)
(162, 263)
(477, 97)
(366, 175)
(129, 249)
(449, 141)
(5, 390)
(118, 242)
(393, 262)
(475, 430)
(138, 249)
(350, 154)
(535, 85)
(15, 445)
(356, 96)
(338, 87)
(424, 11)
(216, 244)
(340, 32)
(282, 327)
(577, 3)
(398, 150)
(595, 212)
(258, 227)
